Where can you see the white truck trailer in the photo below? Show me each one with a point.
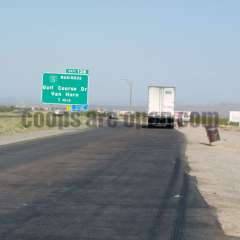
(161, 101)
(234, 117)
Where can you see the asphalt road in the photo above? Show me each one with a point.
(109, 183)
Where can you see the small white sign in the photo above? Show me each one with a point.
(234, 117)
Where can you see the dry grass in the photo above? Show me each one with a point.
(12, 123)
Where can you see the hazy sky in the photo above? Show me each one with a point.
(193, 45)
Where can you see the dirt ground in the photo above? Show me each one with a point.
(217, 170)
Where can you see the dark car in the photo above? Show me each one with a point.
(113, 115)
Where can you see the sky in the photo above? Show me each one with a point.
(192, 45)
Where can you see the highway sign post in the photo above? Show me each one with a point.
(68, 89)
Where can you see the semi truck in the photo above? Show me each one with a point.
(161, 101)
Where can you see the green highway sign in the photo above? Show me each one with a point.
(64, 89)
(76, 71)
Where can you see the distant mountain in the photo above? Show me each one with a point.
(222, 108)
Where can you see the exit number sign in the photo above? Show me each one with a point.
(76, 71)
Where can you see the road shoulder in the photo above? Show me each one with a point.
(217, 169)
(37, 134)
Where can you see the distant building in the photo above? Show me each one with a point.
(101, 110)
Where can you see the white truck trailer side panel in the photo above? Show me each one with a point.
(161, 100)
(234, 117)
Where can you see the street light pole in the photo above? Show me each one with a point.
(130, 84)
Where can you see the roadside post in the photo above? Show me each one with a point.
(213, 134)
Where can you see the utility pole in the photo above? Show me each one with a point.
(130, 84)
